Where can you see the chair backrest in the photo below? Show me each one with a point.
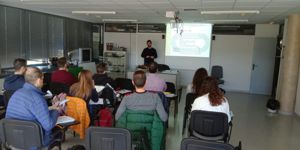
(170, 87)
(136, 120)
(196, 144)
(21, 134)
(124, 83)
(6, 96)
(101, 138)
(108, 93)
(47, 81)
(209, 125)
(217, 72)
(57, 88)
(163, 67)
(190, 98)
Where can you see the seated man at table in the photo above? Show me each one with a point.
(28, 103)
(154, 82)
(16, 81)
(101, 77)
(62, 75)
(141, 99)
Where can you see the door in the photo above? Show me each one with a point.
(263, 66)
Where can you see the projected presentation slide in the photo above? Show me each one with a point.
(192, 41)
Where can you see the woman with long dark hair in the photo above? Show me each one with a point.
(211, 98)
(199, 76)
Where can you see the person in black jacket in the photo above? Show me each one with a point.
(101, 77)
(149, 53)
(16, 81)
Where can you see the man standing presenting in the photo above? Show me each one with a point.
(149, 53)
(29, 104)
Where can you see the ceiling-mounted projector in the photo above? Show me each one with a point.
(170, 14)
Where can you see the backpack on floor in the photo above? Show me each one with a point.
(273, 104)
(104, 118)
(77, 147)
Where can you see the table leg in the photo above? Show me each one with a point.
(175, 107)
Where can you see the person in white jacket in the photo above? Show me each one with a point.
(211, 98)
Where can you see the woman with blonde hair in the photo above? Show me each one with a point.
(84, 88)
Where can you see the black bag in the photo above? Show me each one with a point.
(77, 147)
(273, 104)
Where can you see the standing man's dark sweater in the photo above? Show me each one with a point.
(149, 53)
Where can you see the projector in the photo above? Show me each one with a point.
(170, 14)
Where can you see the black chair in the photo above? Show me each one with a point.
(145, 139)
(57, 88)
(172, 89)
(189, 100)
(6, 96)
(179, 92)
(196, 144)
(217, 72)
(101, 138)
(124, 83)
(24, 135)
(162, 67)
(47, 82)
(208, 125)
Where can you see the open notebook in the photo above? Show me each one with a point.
(64, 119)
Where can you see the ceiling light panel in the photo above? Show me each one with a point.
(119, 20)
(230, 12)
(228, 21)
(93, 12)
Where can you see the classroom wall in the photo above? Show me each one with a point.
(234, 54)
(135, 43)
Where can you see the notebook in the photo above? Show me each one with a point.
(64, 119)
(99, 88)
(100, 102)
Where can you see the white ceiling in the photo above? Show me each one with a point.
(153, 11)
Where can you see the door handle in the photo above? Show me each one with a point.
(253, 66)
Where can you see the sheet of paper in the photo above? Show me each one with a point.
(63, 102)
(64, 119)
(169, 95)
(124, 91)
(99, 88)
(100, 102)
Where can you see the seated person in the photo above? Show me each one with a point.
(141, 99)
(154, 82)
(199, 76)
(211, 98)
(62, 75)
(85, 88)
(28, 103)
(101, 78)
(16, 81)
